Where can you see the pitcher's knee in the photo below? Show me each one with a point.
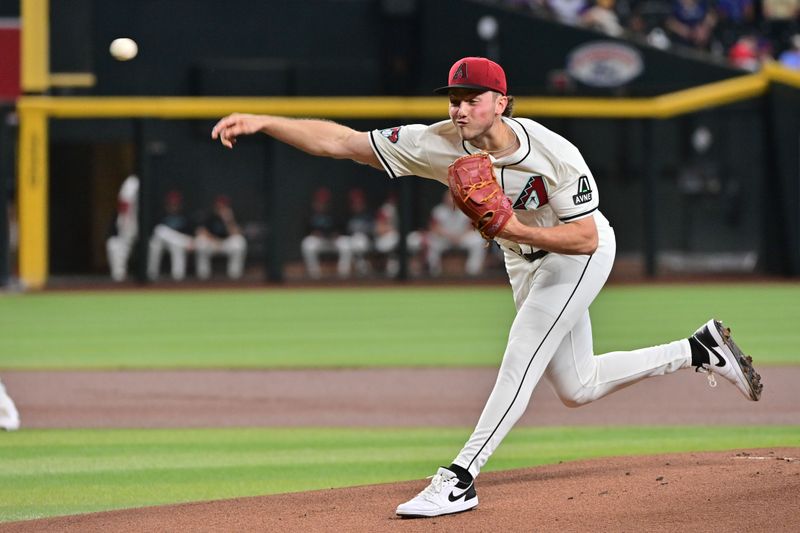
(574, 399)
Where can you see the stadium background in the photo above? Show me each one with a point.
(80, 122)
(740, 217)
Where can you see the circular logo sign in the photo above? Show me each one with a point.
(604, 64)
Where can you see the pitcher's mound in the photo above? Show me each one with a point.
(752, 490)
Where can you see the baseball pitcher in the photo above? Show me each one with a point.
(530, 190)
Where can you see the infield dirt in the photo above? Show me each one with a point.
(749, 490)
(754, 490)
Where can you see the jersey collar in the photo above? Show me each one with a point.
(515, 157)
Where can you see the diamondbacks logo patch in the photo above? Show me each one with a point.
(584, 191)
(461, 73)
(533, 195)
(393, 134)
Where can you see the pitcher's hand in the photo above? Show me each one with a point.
(232, 126)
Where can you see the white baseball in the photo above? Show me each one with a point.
(123, 49)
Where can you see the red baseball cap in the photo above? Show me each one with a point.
(174, 197)
(475, 73)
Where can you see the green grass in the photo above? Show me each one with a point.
(455, 326)
(57, 472)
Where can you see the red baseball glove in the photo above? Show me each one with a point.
(476, 192)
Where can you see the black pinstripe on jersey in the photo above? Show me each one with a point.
(377, 151)
(525, 374)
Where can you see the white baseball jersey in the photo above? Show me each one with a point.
(548, 184)
(546, 179)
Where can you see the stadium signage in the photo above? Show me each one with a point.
(604, 64)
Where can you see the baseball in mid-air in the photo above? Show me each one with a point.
(123, 49)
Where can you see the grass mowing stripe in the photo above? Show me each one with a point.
(419, 326)
(78, 471)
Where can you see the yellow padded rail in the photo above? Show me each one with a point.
(34, 112)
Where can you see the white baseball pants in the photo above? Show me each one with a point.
(312, 246)
(118, 250)
(178, 245)
(552, 336)
(235, 247)
(471, 242)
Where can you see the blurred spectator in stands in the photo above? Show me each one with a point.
(124, 229)
(450, 229)
(647, 18)
(523, 5)
(734, 19)
(600, 16)
(220, 234)
(9, 416)
(175, 232)
(780, 20)
(538, 7)
(321, 236)
(691, 23)
(567, 11)
(355, 244)
(745, 53)
(790, 57)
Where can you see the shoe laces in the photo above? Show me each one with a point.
(435, 487)
(712, 381)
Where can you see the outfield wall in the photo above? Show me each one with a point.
(662, 195)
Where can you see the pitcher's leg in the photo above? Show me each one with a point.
(533, 340)
(562, 289)
(579, 377)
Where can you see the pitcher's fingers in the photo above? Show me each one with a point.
(221, 125)
(227, 141)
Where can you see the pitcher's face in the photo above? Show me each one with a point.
(473, 112)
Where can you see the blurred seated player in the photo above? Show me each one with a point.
(387, 235)
(219, 234)
(450, 229)
(175, 233)
(9, 417)
(357, 241)
(322, 237)
(125, 228)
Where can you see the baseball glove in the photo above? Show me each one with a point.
(476, 192)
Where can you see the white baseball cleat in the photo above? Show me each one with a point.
(445, 495)
(726, 359)
(9, 417)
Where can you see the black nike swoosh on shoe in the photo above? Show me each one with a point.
(720, 359)
(452, 497)
(707, 341)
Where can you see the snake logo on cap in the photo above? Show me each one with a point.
(461, 73)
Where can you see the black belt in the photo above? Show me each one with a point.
(535, 256)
